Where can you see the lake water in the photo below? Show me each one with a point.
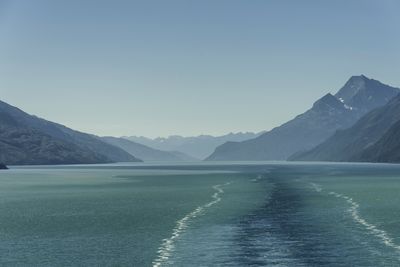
(219, 214)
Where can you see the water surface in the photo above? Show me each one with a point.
(220, 214)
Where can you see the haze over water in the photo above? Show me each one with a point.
(232, 214)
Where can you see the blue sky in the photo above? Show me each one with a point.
(157, 68)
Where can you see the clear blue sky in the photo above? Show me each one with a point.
(157, 68)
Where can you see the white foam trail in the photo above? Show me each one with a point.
(316, 187)
(355, 214)
(259, 178)
(168, 244)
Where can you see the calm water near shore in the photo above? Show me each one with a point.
(219, 214)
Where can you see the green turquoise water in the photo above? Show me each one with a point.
(231, 214)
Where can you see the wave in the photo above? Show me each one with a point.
(316, 187)
(382, 235)
(168, 244)
(256, 180)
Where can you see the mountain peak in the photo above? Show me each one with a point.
(361, 92)
(359, 77)
(328, 101)
(354, 85)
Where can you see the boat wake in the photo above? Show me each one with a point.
(382, 235)
(168, 244)
(316, 187)
(258, 179)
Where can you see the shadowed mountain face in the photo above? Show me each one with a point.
(26, 139)
(386, 149)
(329, 114)
(374, 138)
(146, 153)
(196, 146)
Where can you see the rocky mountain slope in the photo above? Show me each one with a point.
(330, 113)
(27, 139)
(374, 138)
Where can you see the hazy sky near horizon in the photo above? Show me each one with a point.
(157, 68)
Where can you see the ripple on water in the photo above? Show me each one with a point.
(168, 245)
(371, 229)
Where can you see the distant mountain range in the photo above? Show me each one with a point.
(361, 122)
(196, 146)
(357, 97)
(147, 153)
(374, 138)
(27, 139)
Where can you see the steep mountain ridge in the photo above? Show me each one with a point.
(358, 96)
(195, 146)
(386, 149)
(363, 94)
(372, 138)
(27, 139)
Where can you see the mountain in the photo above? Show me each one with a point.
(374, 138)
(386, 149)
(144, 152)
(195, 146)
(365, 94)
(358, 96)
(183, 156)
(27, 139)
